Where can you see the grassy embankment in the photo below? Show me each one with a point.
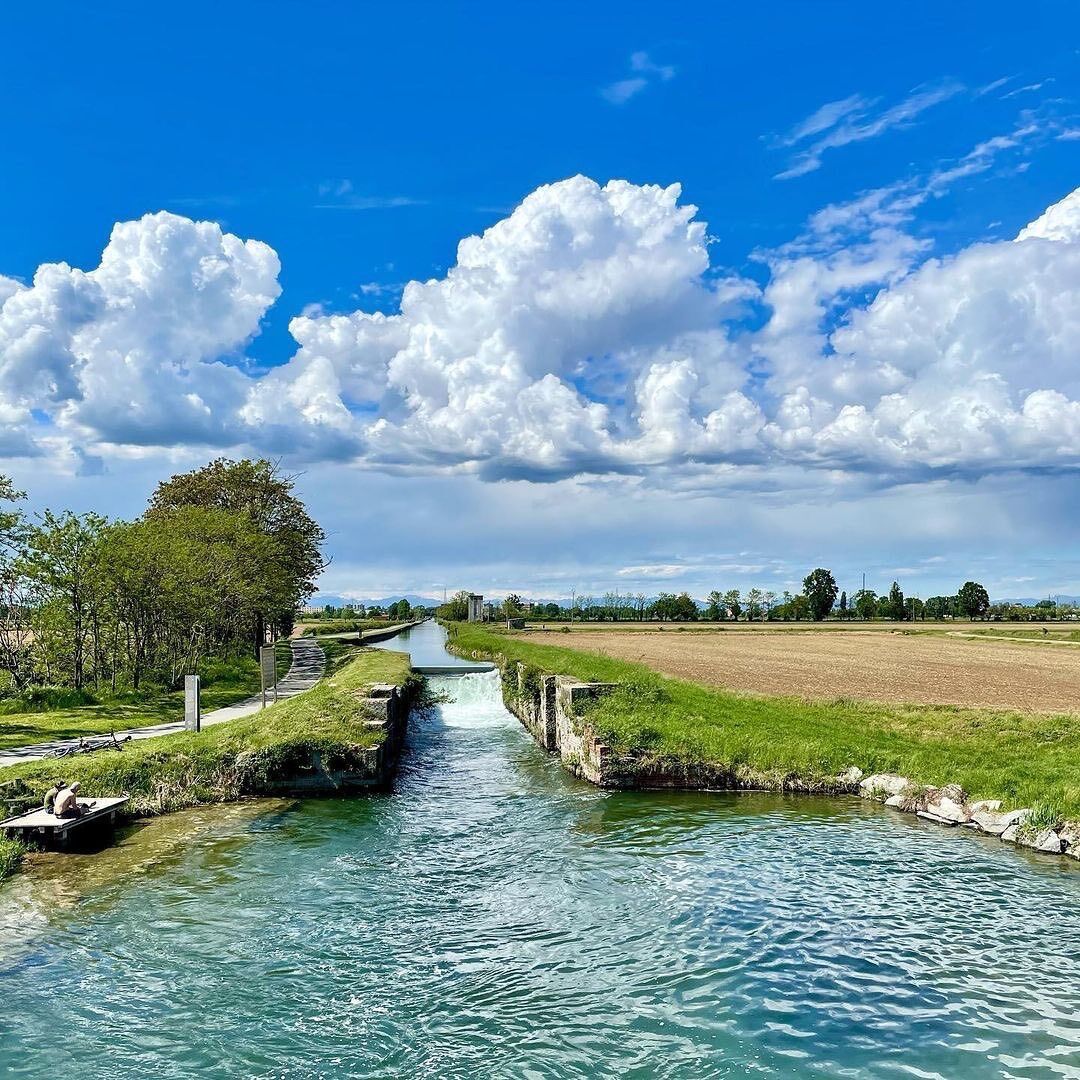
(47, 713)
(322, 627)
(1022, 759)
(230, 760)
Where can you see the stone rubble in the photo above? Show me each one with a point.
(949, 805)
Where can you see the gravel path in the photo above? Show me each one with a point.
(308, 663)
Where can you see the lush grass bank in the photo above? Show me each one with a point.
(234, 759)
(42, 714)
(1022, 759)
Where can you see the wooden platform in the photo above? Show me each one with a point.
(42, 826)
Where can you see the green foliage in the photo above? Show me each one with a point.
(231, 760)
(1015, 757)
(455, 610)
(260, 493)
(973, 600)
(102, 606)
(11, 857)
(1043, 815)
(893, 607)
(819, 588)
(42, 713)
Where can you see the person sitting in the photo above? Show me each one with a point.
(50, 795)
(67, 802)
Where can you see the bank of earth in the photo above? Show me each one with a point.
(344, 733)
(639, 729)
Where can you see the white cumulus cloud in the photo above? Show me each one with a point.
(585, 334)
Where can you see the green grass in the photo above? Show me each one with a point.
(1021, 759)
(228, 760)
(47, 713)
(231, 760)
(11, 856)
(320, 627)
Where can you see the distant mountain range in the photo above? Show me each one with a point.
(1031, 601)
(324, 599)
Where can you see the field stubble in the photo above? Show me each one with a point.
(881, 664)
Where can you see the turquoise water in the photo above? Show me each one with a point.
(493, 917)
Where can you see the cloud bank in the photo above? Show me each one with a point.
(587, 333)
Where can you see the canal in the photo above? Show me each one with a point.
(494, 917)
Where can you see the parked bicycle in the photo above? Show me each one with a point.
(88, 746)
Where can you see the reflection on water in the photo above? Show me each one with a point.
(494, 917)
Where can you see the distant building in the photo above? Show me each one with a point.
(476, 608)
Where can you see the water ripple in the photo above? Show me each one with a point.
(495, 918)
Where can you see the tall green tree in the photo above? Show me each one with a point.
(973, 600)
(62, 563)
(16, 634)
(866, 603)
(259, 491)
(733, 603)
(714, 610)
(819, 588)
(894, 608)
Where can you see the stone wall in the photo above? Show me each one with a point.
(549, 706)
(387, 712)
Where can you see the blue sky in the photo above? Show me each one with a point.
(354, 147)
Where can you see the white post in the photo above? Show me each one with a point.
(192, 713)
(268, 668)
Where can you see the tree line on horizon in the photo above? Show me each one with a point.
(219, 561)
(820, 598)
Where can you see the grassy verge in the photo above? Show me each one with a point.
(51, 713)
(59, 714)
(319, 627)
(231, 760)
(11, 857)
(1022, 759)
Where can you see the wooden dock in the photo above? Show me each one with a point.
(44, 827)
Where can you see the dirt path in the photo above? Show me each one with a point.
(867, 665)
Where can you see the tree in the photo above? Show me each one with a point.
(456, 609)
(264, 495)
(894, 606)
(866, 603)
(512, 606)
(714, 608)
(819, 588)
(755, 604)
(973, 600)
(61, 562)
(15, 602)
(399, 610)
(770, 601)
(843, 605)
(733, 603)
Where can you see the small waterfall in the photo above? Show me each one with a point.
(475, 700)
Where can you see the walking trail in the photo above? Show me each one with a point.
(308, 663)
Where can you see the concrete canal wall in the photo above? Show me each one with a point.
(386, 710)
(550, 708)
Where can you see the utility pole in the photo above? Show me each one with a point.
(573, 596)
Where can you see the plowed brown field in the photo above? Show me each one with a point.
(870, 665)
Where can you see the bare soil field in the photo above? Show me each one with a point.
(875, 664)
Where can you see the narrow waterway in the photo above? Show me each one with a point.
(493, 917)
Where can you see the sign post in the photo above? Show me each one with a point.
(192, 712)
(268, 666)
